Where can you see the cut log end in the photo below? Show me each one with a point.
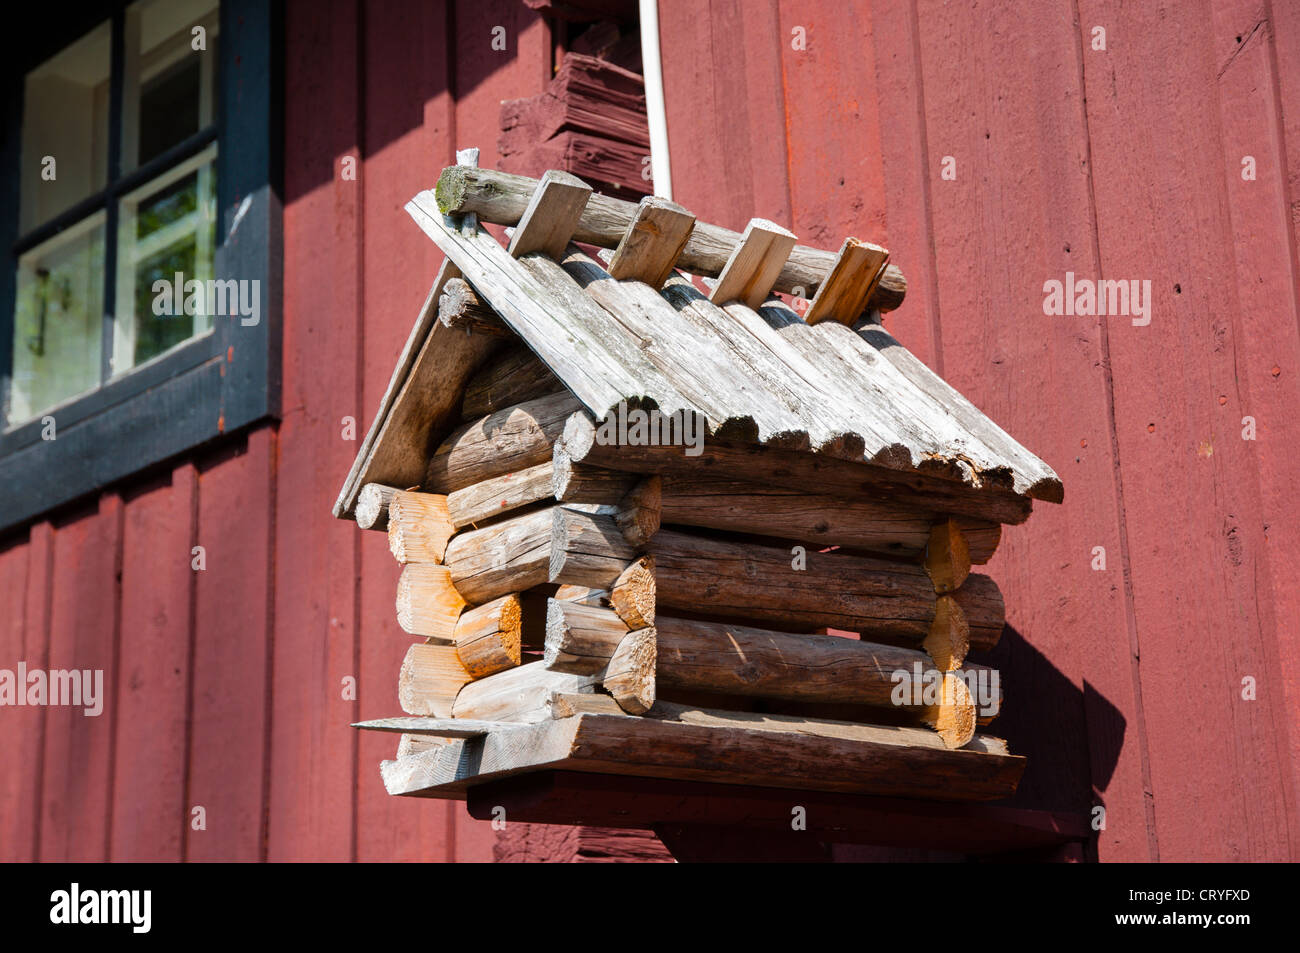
(638, 512)
(419, 527)
(429, 680)
(633, 594)
(954, 718)
(372, 506)
(581, 638)
(630, 675)
(949, 638)
(489, 638)
(427, 602)
(947, 556)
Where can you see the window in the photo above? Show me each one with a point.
(145, 247)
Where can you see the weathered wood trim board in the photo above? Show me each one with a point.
(865, 759)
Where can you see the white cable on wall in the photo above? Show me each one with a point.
(652, 68)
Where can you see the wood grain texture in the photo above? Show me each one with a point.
(652, 242)
(428, 602)
(461, 309)
(879, 598)
(509, 556)
(730, 747)
(419, 527)
(843, 294)
(552, 215)
(488, 636)
(511, 377)
(506, 441)
(430, 678)
(492, 498)
(500, 197)
(755, 264)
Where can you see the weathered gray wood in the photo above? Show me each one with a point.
(509, 556)
(372, 506)
(726, 747)
(1038, 481)
(843, 294)
(576, 483)
(552, 215)
(800, 471)
(755, 264)
(630, 675)
(694, 357)
(898, 425)
(460, 308)
(518, 695)
(598, 361)
(812, 518)
(761, 663)
(501, 198)
(587, 549)
(512, 377)
(638, 512)
(500, 495)
(581, 638)
(435, 727)
(888, 601)
(652, 242)
(507, 441)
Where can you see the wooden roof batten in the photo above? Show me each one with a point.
(906, 417)
(819, 427)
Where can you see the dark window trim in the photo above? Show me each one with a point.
(210, 386)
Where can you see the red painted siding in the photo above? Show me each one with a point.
(226, 687)
(1125, 686)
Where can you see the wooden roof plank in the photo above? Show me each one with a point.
(755, 264)
(552, 215)
(652, 242)
(843, 294)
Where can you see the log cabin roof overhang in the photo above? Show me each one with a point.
(629, 330)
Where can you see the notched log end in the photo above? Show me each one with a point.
(450, 190)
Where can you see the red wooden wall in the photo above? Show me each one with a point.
(1123, 685)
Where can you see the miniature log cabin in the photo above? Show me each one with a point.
(661, 528)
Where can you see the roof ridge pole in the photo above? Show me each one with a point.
(656, 113)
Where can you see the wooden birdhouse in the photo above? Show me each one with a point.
(656, 520)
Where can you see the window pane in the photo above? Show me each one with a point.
(169, 90)
(166, 240)
(58, 319)
(65, 129)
